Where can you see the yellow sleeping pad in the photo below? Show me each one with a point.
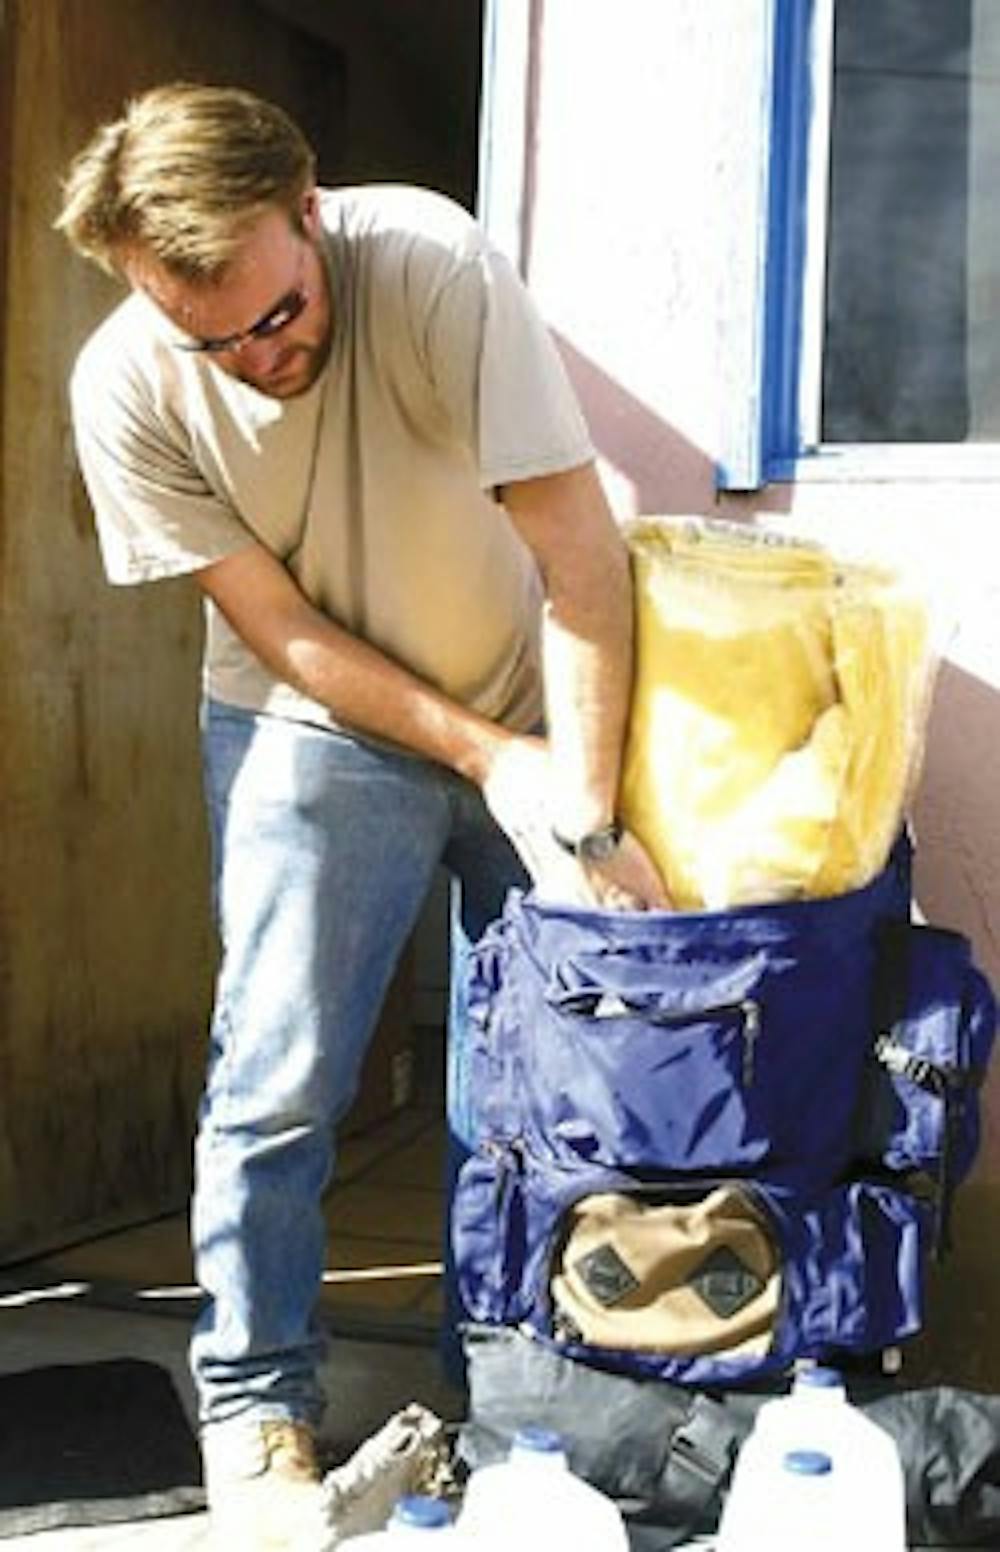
(778, 712)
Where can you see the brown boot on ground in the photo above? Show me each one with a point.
(262, 1480)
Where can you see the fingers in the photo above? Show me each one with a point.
(517, 794)
(628, 881)
(616, 899)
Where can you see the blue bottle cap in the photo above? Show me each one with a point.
(807, 1463)
(540, 1441)
(421, 1513)
(820, 1376)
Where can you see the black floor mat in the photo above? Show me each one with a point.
(93, 1444)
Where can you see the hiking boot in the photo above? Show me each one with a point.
(262, 1480)
(409, 1454)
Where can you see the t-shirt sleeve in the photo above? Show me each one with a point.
(500, 376)
(155, 514)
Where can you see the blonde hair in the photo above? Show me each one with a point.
(181, 176)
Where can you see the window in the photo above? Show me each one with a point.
(879, 344)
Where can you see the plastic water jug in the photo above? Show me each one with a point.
(794, 1510)
(415, 1521)
(813, 1453)
(533, 1502)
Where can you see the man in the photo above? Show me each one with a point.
(341, 414)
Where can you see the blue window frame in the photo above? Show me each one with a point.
(762, 333)
(794, 82)
(872, 260)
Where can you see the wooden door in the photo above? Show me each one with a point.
(106, 951)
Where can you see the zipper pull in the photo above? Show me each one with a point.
(610, 1005)
(495, 1150)
(751, 1031)
(564, 1329)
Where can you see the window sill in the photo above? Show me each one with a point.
(867, 462)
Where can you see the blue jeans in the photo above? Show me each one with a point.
(324, 849)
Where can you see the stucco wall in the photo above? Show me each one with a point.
(637, 161)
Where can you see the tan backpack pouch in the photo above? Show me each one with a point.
(669, 1278)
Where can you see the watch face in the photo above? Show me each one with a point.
(600, 846)
(596, 847)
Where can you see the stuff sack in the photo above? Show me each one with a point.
(665, 1453)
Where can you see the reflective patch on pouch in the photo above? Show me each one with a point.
(605, 1275)
(725, 1283)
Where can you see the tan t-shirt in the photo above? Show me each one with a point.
(373, 487)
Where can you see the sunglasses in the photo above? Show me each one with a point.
(285, 311)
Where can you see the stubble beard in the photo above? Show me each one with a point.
(292, 375)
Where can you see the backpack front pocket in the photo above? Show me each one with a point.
(705, 1068)
(620, 1076)
(635, 1272)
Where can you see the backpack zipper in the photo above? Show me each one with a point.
(611, 1007)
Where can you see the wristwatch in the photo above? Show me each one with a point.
(597, 846)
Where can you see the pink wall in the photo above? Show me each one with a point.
(636, 152)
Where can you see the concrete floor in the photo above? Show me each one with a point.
(366, 1380)
(131, 1294)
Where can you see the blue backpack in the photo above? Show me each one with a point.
(710, 1144)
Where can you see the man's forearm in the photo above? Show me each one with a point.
(362, 687)
(587, 639)
(369, 692)
(587, 644)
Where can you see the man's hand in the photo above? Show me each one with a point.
(627, 881)
(517, 790)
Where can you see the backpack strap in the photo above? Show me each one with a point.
(949, 1085)
(702, 1453)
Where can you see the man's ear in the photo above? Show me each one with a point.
(309, 212)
